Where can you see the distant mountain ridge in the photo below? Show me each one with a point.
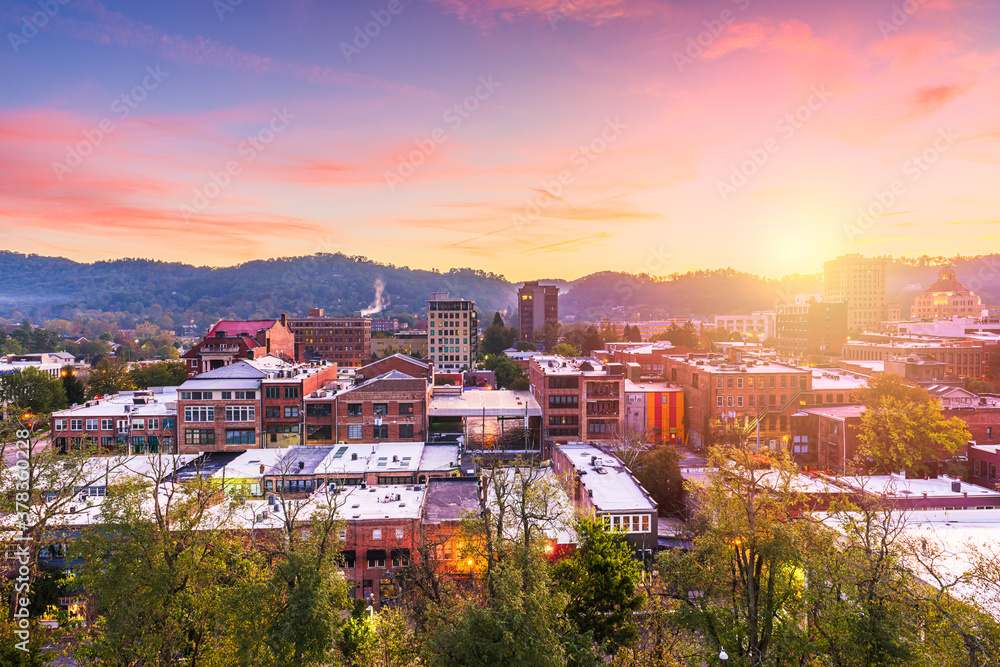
(42, 288)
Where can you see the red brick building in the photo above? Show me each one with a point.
(346, 341)
(226, 409)
(389, 407)
(825, 437)
(130, 422)
(230, 341)
(581, 399)
(751, 390)
(396, 362)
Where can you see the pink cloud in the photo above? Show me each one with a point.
(764, 36)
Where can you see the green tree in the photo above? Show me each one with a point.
(506, 370)
(601, 580)
(547, 335)
(903, 428)
(32, 391)
(497, 337)
(162, 374)
(108, 377)
(659, 472)
(75, 389)
(523, 346)
(565, 350)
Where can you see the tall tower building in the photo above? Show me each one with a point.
(860, 283)
(452, 332)
(945, 298)
(537, 306)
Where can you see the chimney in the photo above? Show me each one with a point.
(284, 320)
(302, 464)
(261, 468)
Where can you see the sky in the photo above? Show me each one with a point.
(531, 138)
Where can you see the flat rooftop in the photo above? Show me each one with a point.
(827, 379)
(163, 403)
(897, 486)
(613, 487)
(502, 403)
(839, 412)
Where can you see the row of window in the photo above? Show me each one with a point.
(276, 392)
(278, 411)
(356, 409)
(564, 402)
(356, 431)
(784, 382)
(234, 413)
(627, 523)
(752, 402)
(140, 424)
(225, 395)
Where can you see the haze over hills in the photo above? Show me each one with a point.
(42, 288)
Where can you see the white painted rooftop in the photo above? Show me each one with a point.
(614, 489)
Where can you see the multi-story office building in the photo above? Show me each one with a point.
(345, 341)
(963, 358)
(537, 305)
(946, 298)
(858, 282)
(452, 332)
(810, 328)
(581, 399)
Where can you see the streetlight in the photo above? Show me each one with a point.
(723, 656)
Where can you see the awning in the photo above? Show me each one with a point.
(400, 554)
(376, 554)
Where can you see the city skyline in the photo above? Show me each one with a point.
(523, 138)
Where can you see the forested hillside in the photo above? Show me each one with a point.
(43, 288)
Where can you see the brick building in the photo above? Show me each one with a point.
(963, 358)
(345, 341)
(581, 399)
(388, 407)
(233, 408)
(656, 408)
(810, 328)
(860, 283)
(751, 390)
(945, 298)
(599, 484)
(537, 305)
(825, 438)
(396, 362)
(130, 422)
(229, 341)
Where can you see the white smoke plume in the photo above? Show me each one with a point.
(378, 304)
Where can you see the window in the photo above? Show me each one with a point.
(60, 424)
(354, 409)
(729, 401)
(199, 436)
(272, 392)
(318, 409)
(400, 557)
(153, 424)
(380, 408)
(772, 400)
(975, 467)
(989, 432)
(92, 424)
(138, 424)
(377, 534)
(241, 437)
(718, 401)
(406, 408)
(272, 412)
(739, 401)
(405, 431)
(794, 382)
(291, 392)
(194, 413)
(107, 424)
(729, 382)
(750, 383)
(694, 380)
(291, 411)
(739, 383)
(240, 413)
(770, 381)
(750, 401)
(227, 395)
(168, 423)
(718, 382)
(76, 424)
(381, 432)
(629, 523)
(376, 558)
(399, 533)
(354, 432)
(564, 402)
